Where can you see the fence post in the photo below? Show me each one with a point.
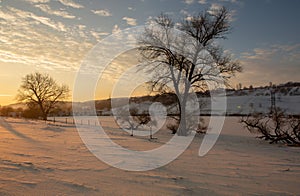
(150, 132)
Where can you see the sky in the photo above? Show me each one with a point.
(55, 36)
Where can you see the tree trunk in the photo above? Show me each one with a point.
(44, 113)
(45, 116)
(182, 129)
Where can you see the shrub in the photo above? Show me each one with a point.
(278, 127)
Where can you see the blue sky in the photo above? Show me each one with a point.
(54, 35)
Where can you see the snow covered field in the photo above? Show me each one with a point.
(41, 159)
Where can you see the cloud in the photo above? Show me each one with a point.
(283, 52)
(131, 8)
(37, 1)
(130, 21)
(41, 42)
(98, 35)
(103, 33)
(188, 2)
(102, 12)
(230, 1)
(288, 48)
(116, 29)
(70, 3)
(20, 14)
(276, 63)
(202, 1)
(188, 18)
(48, 22)
(47, 9)
(184, 12)
(214, 8)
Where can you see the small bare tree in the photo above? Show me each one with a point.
(132, 120)
(278, 127)
(189, 59)
(43, 91)
(125, 119)
(145, 119)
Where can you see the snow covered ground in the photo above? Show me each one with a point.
(41, 159)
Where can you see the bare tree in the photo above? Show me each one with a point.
(125, 118)
(189, 59)
(278, 127)
(130, 118)
(43, 91)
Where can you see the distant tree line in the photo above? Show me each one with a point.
(33, 112)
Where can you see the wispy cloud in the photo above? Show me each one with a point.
(29, 39)
(131, 8)
(130, 21)
(47, 9)
(214, 8)
(37, 1)
(184, 12)
(98, 35)
(276, 63)
(105, 12)
(188, 2)
(283, 51)
(202, 1)
(71, 3)
(20, 14)
(116, 29)
(230, 1)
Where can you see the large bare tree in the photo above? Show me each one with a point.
(188, 59)
(43, 91)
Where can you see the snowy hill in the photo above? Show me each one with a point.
(239, 102)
